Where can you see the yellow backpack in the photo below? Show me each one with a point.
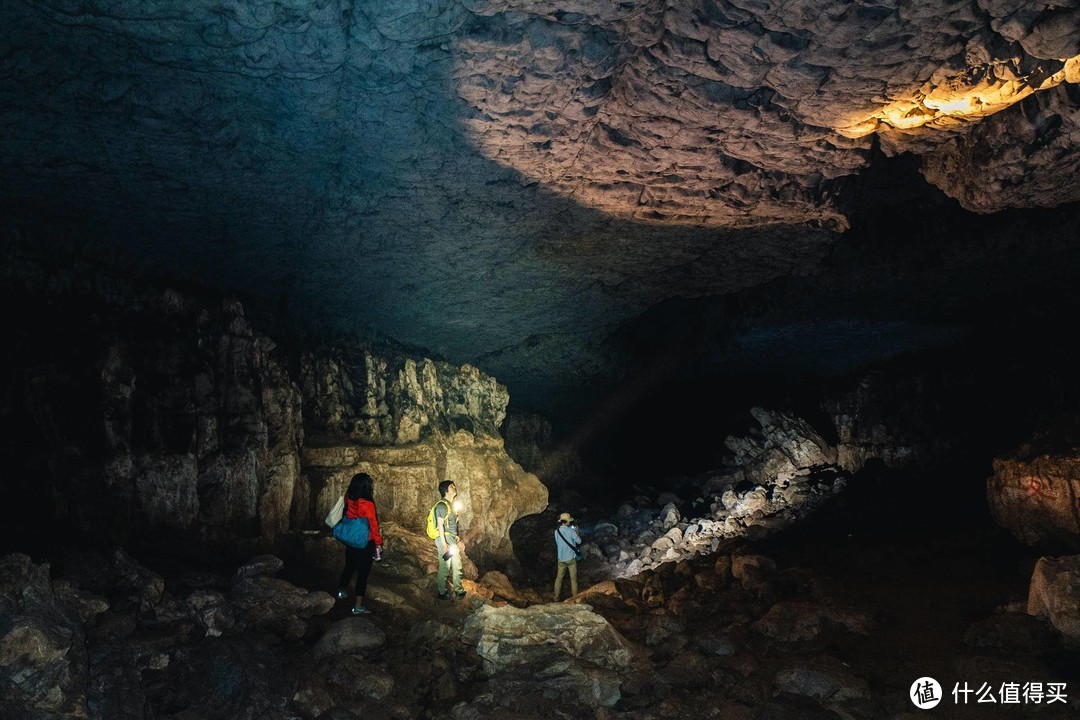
(432, 522)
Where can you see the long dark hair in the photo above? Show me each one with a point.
(360, 487)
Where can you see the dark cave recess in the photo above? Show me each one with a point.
(975, 400)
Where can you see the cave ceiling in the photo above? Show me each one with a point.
(506, 183)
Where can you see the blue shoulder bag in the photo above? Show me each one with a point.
(353, 532)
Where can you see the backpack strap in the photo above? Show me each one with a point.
(445, 520)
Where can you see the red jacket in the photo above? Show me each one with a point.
(365, 509)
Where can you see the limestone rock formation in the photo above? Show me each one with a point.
(1036, 498)
(547, 166)
(1034, 492)
(172, 422)
(780, 472)
(529, 442)
(204, 433)
(352, 635)
(996, 164)
(393, 399)
(574, 650)
(168, 418)
(412, 424)
(784, 448)
(43, 661)
(1055, 593)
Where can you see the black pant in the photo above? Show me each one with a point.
(358, 560)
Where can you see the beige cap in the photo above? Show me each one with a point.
(565, 517)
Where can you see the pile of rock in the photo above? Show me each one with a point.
(778, 474)
(108, 634)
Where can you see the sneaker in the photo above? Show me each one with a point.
(341, 594)
(459, 595)
(360, 610)
(444, 596)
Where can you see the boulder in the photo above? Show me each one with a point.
(784, 446)
(501, 588)
(1034, 497)
(1012, 632)
(824, 679)
(144, 586)
(349, 636)
(77, 602)
(211, 611)
(1055, 593)
(802, 621)
(260, 566)
(43, 659)
(559, 648)
(269, 602)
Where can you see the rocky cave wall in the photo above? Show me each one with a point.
(411, 423)
(166, 419)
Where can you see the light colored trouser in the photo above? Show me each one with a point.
(570, 565)
(448, 568)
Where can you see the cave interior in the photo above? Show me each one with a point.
(774, 299)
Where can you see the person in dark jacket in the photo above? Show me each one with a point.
(360, 502)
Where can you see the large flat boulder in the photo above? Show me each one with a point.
(553, 649)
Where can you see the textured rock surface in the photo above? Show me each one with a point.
(166, 418)
(995, 164)
(43, 665)
(412, 425)
(394, 399)
(494, 490)
(1033, 492)
(1036, 498)
(782, 471)
(1055, 593)
(352, 635)
(163, 415)
(573, 649)
(884, 417)
(502, 181)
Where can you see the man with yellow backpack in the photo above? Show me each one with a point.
(442, 527)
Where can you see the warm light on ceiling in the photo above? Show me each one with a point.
(975, 94)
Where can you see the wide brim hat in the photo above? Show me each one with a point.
(565, 517)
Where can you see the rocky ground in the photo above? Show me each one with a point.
(834, 618)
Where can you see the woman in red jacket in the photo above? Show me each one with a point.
(359, 502)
